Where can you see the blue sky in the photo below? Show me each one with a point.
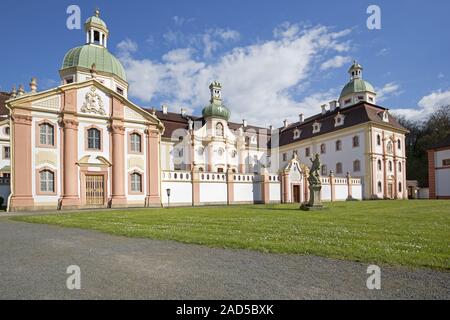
(275, 59)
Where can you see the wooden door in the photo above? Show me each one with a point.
(95, 190)
(296, 193)
(390, 191)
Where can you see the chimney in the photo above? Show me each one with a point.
(333, 105)
(33, 85)
(244, 123)
(301, 117)
(324, 108)
(285, 123)
(183, 112)
(164, 108)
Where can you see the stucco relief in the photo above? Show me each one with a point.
(93, 103)
(136, 162)
(46, 157)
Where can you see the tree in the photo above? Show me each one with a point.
(421, 137)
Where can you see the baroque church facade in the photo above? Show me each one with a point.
(85, 144)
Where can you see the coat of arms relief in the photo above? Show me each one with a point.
(93, 103)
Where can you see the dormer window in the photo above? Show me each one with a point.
(297, 133)
(385, 116)
(347, 101)
(119, 90)
(316, 127)
(339, 120)
(360, 98)
(371, 99)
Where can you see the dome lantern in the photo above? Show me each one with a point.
(216, 109)
(96, 30)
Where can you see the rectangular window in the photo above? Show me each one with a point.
(46, 134)
(446, 162)
(6, 152)
(307, 152)
(324, 170)
(135, 141)
(136, 183)
(94, 139)
(119, 91)
(284, 157)
(47, 181)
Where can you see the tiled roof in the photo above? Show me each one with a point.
(3, 97)
(354, 115)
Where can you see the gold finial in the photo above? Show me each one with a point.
(97, 12)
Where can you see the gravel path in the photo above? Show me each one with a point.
(34, 259)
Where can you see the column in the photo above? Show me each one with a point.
(21, 168)
(431, 175)
(285, 181)
(265, 188)
(118, 198)
(230, 186)
(195, 187)
(92, 36)
(332, 186)
(71, 198)
(349, 186)
(153, 197)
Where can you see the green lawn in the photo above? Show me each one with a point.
(412, 233)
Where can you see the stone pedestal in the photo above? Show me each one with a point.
(314, 202)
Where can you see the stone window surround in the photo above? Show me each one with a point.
(86, 140)
(38, 134)
(129, 142)
(38, 181)
(4, 153)
(130, 191)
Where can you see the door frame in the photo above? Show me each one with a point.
(299, 192)
(86, 172)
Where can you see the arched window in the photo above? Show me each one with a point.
(323, 148)
(47, 181)
(400, 167)
(379, 186)
(390, 166)
(399, 187)
(338, 168)
(136, 182)
(7, 131)
(356, 166)
(46, 134)
(324, 170)
(338, 145)
(135, 142)
(378, 140)
(379, 165)
(399, 144)
(94, 139)
(355, 141)
(219, 129)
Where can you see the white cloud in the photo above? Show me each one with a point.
(335, 62)
(388, 90)
(259, 80)
(427, 105)
(127, 46)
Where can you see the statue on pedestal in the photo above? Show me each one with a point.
(315, 185)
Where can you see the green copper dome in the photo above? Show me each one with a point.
(85, 56)
(216, 111)
(356, 85)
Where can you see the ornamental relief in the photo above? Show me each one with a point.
(93, 103)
